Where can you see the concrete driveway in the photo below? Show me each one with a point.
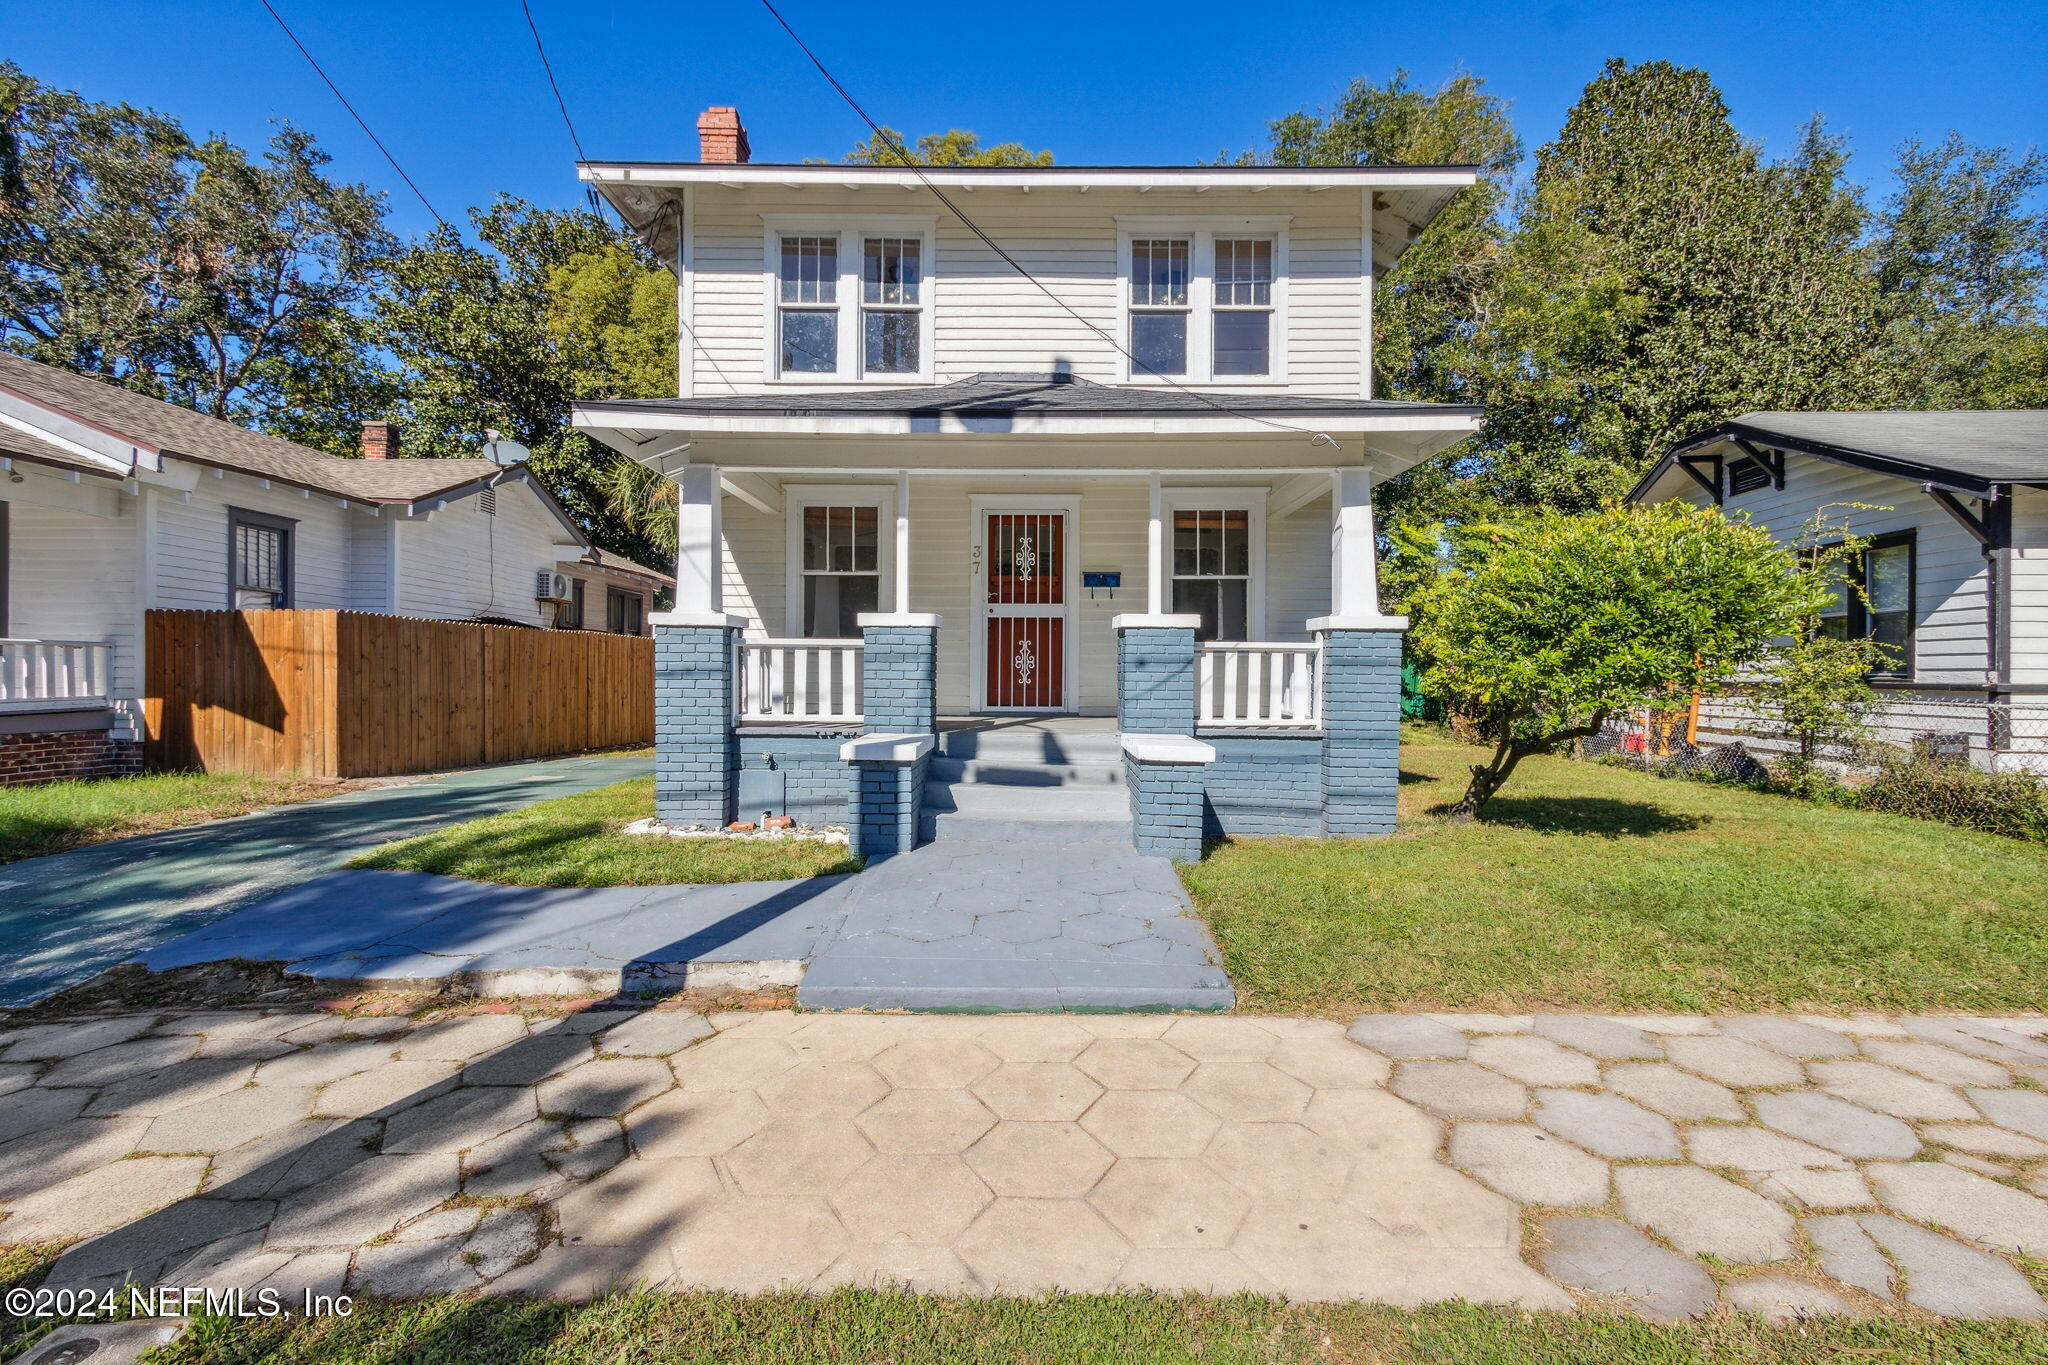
(65, 917)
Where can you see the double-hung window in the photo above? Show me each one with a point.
(1244, 306)
(1203, 304)
(1212, 570)
(891, 304)
(1872, 599)
(259, 560)
(850, 302)
(807, 288)
(1159, 305)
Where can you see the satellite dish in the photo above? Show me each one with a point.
(503, 452)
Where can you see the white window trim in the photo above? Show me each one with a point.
(798, 497)
(1201, 234)
(1251, 500)
(850, 232)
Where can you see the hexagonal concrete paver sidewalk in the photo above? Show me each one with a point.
(1673, 1167)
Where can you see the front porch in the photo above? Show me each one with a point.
(1133, 655)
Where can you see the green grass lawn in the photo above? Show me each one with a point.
(61, 815)
(1598, 888)
(575, 841)
(1126, 1329)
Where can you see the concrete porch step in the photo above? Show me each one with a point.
(1101, 802)
(1033, 744)
(998, 772)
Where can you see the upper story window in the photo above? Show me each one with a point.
(1203, 303)
(850, 302)
(808, 288)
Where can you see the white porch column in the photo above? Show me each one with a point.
(902, 541)
(1155, 552)
(1354, 573)
(700, 561)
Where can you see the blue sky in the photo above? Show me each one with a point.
(453, 87)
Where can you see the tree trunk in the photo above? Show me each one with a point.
(1488, 778)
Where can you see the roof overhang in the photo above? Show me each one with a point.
(599, 418)
(1738, 434)
(512, 474)
(1405, 198)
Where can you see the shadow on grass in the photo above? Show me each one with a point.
(1596, 815)
(1407, 777)
(590, 852)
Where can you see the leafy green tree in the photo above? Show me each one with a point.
(187, 271)
(481, 343)
(1548, 624)
(1663, 277)
(955, 147)
(1423, 310)
(1960, 265)
(612, 313)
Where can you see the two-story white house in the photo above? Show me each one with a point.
(1043, 424)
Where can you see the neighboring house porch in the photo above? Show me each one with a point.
(1200, 575)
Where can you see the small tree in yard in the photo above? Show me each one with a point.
(1551, 623)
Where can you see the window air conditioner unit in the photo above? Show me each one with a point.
(549, 586)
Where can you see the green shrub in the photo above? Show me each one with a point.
(2012, 804)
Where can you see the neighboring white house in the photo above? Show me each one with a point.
(1955, 582)
(112, 503)
(1079, 395)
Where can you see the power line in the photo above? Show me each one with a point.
(353, 114)
(894, 144)
(548, 67)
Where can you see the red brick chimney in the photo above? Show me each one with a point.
(720, 136)
(380, 440)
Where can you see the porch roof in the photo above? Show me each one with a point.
(1005, 394)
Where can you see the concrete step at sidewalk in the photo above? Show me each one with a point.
(937, 826)
(995, 772)
(1101, 802)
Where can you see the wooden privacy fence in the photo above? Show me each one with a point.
(353, 694)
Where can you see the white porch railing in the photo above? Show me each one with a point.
(814, 681)
(39, 675)
(1258, 686)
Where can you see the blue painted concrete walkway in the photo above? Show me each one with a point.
(65, 917)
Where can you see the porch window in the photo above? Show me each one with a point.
(842, 568)
(808, 305)
(892, 304)
(1212, 571)
(259, 560)
(1244, 306)
(1160, 304)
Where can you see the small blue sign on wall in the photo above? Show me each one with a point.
(1096, 578)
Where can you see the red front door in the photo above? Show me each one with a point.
(1024, 567)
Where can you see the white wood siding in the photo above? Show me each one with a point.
(460, 562)
(192, 543)
(987, 317)
(1949, 569)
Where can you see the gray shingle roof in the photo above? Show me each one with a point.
(605, 559)
(1999, 447)
(1005, 393)
(23, 446)
(193, 436)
